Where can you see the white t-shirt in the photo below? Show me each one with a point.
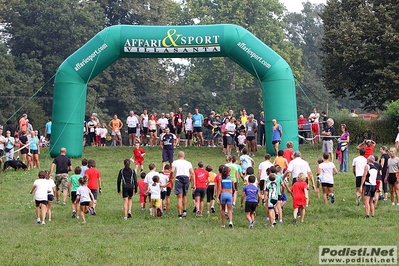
(3, 139)
(163, 123)
(359, 162)
(297, 166)
(263, 166)
(241, 139)
(149, 176)
(132, 121)
(163, 179)
(372, 177)
(103, 132)
(84, 194)
(51, 184)
(42, 186)
(327, 170)
(182, 167)
(155, 191)
(188, 125)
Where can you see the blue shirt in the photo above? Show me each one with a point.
(197, 120)
(276, 133)
(48, 127)
(226, 183)
(251, 193)
(33, 143)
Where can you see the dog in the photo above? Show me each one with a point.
(16, 164)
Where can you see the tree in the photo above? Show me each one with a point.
(361, 50)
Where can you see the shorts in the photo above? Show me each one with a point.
(127, 192)
(156, 203)
(210, 190)
(327, 146)
(369, 191)
(24, 151)
(200, 192)
(115, 133)
(181, 184)
(298, 205)
(315, 128)
(139, 162)
(163, 195)
(85, 203)
(34, 151)
(61, 179)
(240, 147)
(250, 206)
(392, 178)
(168, 191)
(50, 197)
(95, 193)
(229, 140)
(327, 185)
(198, 129)
(271, 203)
(189, 134)
(276, 141)
(167, 156)
(143, 198)
(153, 130)
(73, 196)
(251, 138)
(103, 140)
(358, 181)
(144, 131)
(38, 202)
(226, 198)
(178, 130)
(132, 130)
(262, 184)
(284, 198)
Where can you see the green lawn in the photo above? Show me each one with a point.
(107, 239)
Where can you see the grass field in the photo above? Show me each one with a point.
(107, 239)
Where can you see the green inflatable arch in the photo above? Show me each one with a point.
(70, 85)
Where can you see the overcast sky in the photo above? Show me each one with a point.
(296, 5)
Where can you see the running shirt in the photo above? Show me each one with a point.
(168, 141)
(93, 174)
(34, 143)
(226, 183)
(155, 191)
(152, 125)
(182, 167)
(251, 126)
(263, 166)
(115, 125)
(132, 121)
(393, 165)
(246, 161)
(74, 179)
(144, 121)
(141, 184)
(211, 178)
(42, 186)
(233, 171)
(84, 194)
(327, 172)
(197, 119)
(188, 125)
(278, 181)
(163, 123)
(251, 193)
(359, 162)
(178, 119)
(276, 132)
(138, 154)
(272, 189)
(371, 178)
(51, 185)
(201, 177)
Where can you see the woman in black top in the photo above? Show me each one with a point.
(127, 177)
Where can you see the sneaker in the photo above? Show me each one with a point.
(63, 203)
(234, 206)
(49, 220)
(180, 217)
(38, 220)
(397, 204)
(208, 212)
(125, 218)
(195, 210)
(332, 198)
(281, 221)
(129, 215)
(267, 219)
(213, 209)
(77, 217)
(274, 222)
(43, 222)
(231, 225)
(358, 200)
(142, 209)
(214, 146)
(367, 216)
(57, 202)
(276, 215)
(84, 222)
(251, 225)
(74, 214)
(294, 221)
(184, 214)
(223, 226)
(299, 212)
(198, 213)
(393, 203)
(272, 226)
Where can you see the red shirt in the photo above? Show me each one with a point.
(142, 186)
(138, 157)
(218, 177)
(167, 173)
(288, 154)
(369, 150)
(298, 189)
(301, 122)
(201, 177)
(94, 175)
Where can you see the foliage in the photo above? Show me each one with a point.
(392, 112)
(107, 239)
(361, 50)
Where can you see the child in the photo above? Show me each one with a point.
(226, 190)
(98, 131)
(164, 180)
(143, 192)
(299, 193)
(271, 197)
(84, 197)
(50, 193)
(40, 187)
(280, 192)
(251, 194)
(241, 141)
(84, 167)
(210, 190)
(280, 160)
(319, 176)
(103, 135)
(246, 161)
(169, 187)
(155, 190)
(250, 171)
(138, 156)
(73, 186)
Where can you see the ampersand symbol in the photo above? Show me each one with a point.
(171, 32)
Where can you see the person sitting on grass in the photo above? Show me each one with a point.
(84, 197)
(300, 195)
(252, 197)
(40, 187)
